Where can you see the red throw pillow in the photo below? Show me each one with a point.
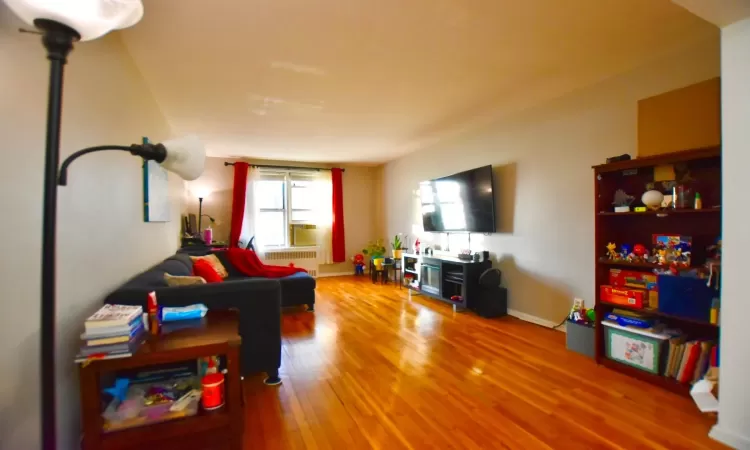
(205, 270)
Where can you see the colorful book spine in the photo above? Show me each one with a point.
(702, 367)
(678, 360)
(688, 371)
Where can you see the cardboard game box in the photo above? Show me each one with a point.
(622, 278)
(634, 298)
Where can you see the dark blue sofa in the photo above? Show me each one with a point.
(258, 300)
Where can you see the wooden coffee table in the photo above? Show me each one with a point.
(221, 429)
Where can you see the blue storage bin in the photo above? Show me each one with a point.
(685, 297)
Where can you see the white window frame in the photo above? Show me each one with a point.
(288, 207)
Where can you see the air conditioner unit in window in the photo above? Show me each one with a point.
(303, 235)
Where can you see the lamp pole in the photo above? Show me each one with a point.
(200, 214)
(58, 40)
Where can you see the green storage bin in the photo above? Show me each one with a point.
(635, 347)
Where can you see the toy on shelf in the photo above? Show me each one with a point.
(652, 199)
(622, 201)
(713, 263)
(416, 246)
(611, 253)
(640, 251)
(673, 250)
(359, 264)
(626, 252)
(627, 318)
(661, 256)
(714, 251)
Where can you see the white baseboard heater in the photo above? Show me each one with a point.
(306, 258)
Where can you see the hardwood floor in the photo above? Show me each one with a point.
(376, 368)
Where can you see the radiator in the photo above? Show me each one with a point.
(306, 259)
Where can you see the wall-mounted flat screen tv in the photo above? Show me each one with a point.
(461, 202)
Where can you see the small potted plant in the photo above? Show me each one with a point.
(397, 246)
(622, 201)
(376, 252)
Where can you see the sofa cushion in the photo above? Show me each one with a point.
(182, 281)
(207, 271)
(184, 259)
(214, 262)
(173, 267)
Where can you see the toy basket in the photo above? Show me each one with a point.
(638, 348)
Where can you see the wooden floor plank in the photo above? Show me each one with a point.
(377, 368)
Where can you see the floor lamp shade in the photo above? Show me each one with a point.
(90, 18)
(186, 157)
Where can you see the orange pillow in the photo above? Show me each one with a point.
(204, 269)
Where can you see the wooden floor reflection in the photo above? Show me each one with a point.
(374, 367)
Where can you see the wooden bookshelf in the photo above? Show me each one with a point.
(662, 212)
(702, 225)
(658, 160)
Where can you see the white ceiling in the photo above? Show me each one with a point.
(368, 81)
(719, 12)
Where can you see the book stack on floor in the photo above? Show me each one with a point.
(115, 331)
(688, 362)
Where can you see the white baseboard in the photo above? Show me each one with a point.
(333, 274)
(535, 320)
(728, 438)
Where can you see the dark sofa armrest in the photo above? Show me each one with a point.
(256, 286)
(228, 294)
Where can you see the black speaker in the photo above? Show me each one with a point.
(485, 255)
(492, 300)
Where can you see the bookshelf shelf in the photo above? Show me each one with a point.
(703, 226)
(641, 265)
(659, 380)
(655, 312)
(662, 213)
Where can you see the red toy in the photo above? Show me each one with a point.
(640, 250)
(359, 264)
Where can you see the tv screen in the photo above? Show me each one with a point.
(459, 202)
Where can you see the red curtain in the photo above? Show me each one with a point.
(337, 228)
(238, 202)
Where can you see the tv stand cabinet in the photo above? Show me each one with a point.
(442, 277)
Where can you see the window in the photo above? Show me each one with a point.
(303, 201)
(287, 209)
(272, 211)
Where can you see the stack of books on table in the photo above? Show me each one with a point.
(115, 331)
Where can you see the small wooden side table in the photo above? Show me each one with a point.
(221, 429)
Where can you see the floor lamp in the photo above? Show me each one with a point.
(61, 23)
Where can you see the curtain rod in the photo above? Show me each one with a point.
(318, 169)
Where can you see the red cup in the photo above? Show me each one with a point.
(213, 391)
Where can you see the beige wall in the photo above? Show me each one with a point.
(542, 159)
(102, 239)
(362, 203)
